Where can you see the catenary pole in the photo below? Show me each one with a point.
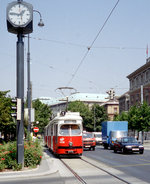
(29, 87)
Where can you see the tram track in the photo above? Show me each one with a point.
(88, 165)
(80, 179)
(124, 181)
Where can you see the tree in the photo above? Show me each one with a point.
(138, 117)
(42, 114)
(7, 125)
(98, 116)
(121, 117)
(85, 113)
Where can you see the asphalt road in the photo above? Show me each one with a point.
(135, 165)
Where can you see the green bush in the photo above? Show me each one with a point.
(32, 155)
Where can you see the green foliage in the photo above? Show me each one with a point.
(90, 117)
(7, 125)
(138, 117)
(121, 117)
(98, 116)
(78, 106)
(42, 114)
(32, 155)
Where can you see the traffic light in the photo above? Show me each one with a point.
(112, 94)
(16, 108)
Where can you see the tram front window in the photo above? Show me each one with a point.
(64, 130)
(75, 130)
(70, 130)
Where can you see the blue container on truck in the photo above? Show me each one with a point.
(112, 130)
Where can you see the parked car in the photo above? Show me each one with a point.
(128, 145)
(89, 140)
(98, 137)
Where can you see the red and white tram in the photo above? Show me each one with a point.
(63, 135)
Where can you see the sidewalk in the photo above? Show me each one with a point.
(146, 145)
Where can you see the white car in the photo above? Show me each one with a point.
(98, 137)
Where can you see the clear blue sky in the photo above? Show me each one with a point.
(70, 27)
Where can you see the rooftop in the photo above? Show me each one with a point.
(86, 97)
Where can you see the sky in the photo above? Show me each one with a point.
(59, 50)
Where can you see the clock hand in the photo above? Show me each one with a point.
(12, 13)
(22, 12)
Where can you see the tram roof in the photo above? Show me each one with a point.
(68, 116)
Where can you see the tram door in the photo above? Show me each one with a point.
(52, 137)
(56, 137)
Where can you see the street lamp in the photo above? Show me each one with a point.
(40, 24)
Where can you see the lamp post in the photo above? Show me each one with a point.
(40, 24)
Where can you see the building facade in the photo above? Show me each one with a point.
(112, 108)
(139, 81)
(124, 102)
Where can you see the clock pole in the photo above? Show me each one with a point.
(20, 95)
(20, 22)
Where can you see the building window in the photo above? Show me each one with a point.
(136, 82)
(115, 110)
(147, 76)
(146, 99)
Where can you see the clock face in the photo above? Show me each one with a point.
(19, 14)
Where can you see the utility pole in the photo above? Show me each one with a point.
(141, 94)
(29, 97)
(141, 104)
(94, 119)
(28, 87)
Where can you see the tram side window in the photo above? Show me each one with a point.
(64, 130)
(75, 130)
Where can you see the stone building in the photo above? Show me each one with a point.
(124, 102)
(140, 84)
(112, 108)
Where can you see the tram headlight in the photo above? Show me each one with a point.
(70, 144)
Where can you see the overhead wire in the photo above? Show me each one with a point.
(89, 48)
(85, 46)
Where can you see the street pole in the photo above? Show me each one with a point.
(29, 98)
(141, 104)
(141, 94)
(94, 119)
(28, 88)
(20, 95)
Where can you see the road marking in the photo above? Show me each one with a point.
(131, 165)
(145, 160)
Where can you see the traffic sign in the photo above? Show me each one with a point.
(35, 129)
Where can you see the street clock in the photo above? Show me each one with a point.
(20, 17)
